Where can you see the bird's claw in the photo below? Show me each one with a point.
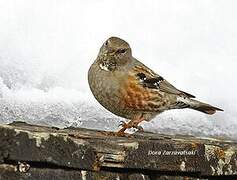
(122, 124)
(139, 128)
(120, 133)
(128, 125)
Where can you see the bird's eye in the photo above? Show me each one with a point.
(121, 51)
(106, 43)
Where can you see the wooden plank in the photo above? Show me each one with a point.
(12, 172)
(45, 145)
(91, 150)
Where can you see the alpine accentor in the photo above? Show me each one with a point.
(127, 88)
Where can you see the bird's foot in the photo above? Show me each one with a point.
(128, 125)
(123, 124)
(120, 133)
(139, 128)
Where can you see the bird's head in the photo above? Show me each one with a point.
(115, 52)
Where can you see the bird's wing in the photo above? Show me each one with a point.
(143, 90)
(165, 86)
(152, 80)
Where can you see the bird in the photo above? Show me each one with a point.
(126, 87)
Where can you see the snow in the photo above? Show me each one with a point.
(46, 48)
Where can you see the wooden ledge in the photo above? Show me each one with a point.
(76, 152)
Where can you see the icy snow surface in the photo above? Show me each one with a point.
(46, 48)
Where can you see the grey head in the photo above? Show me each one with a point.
(114, 53)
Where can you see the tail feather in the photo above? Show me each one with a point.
(200, 106)
(206, 108)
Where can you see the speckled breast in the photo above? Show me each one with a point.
(106, 89)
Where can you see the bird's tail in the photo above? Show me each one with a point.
(200, 106)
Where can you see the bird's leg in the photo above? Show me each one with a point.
(121, 132)
(132, 123)
(136, 122)
(124, 127)
(122, 123)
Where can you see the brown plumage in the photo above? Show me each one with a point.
(127, 88)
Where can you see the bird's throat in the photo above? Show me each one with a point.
(107, 64)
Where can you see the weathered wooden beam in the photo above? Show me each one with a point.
(90, 150)
(11, 172)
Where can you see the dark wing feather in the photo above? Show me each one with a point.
(160, 83)
(165, 86)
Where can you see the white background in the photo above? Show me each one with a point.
(46, 48)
